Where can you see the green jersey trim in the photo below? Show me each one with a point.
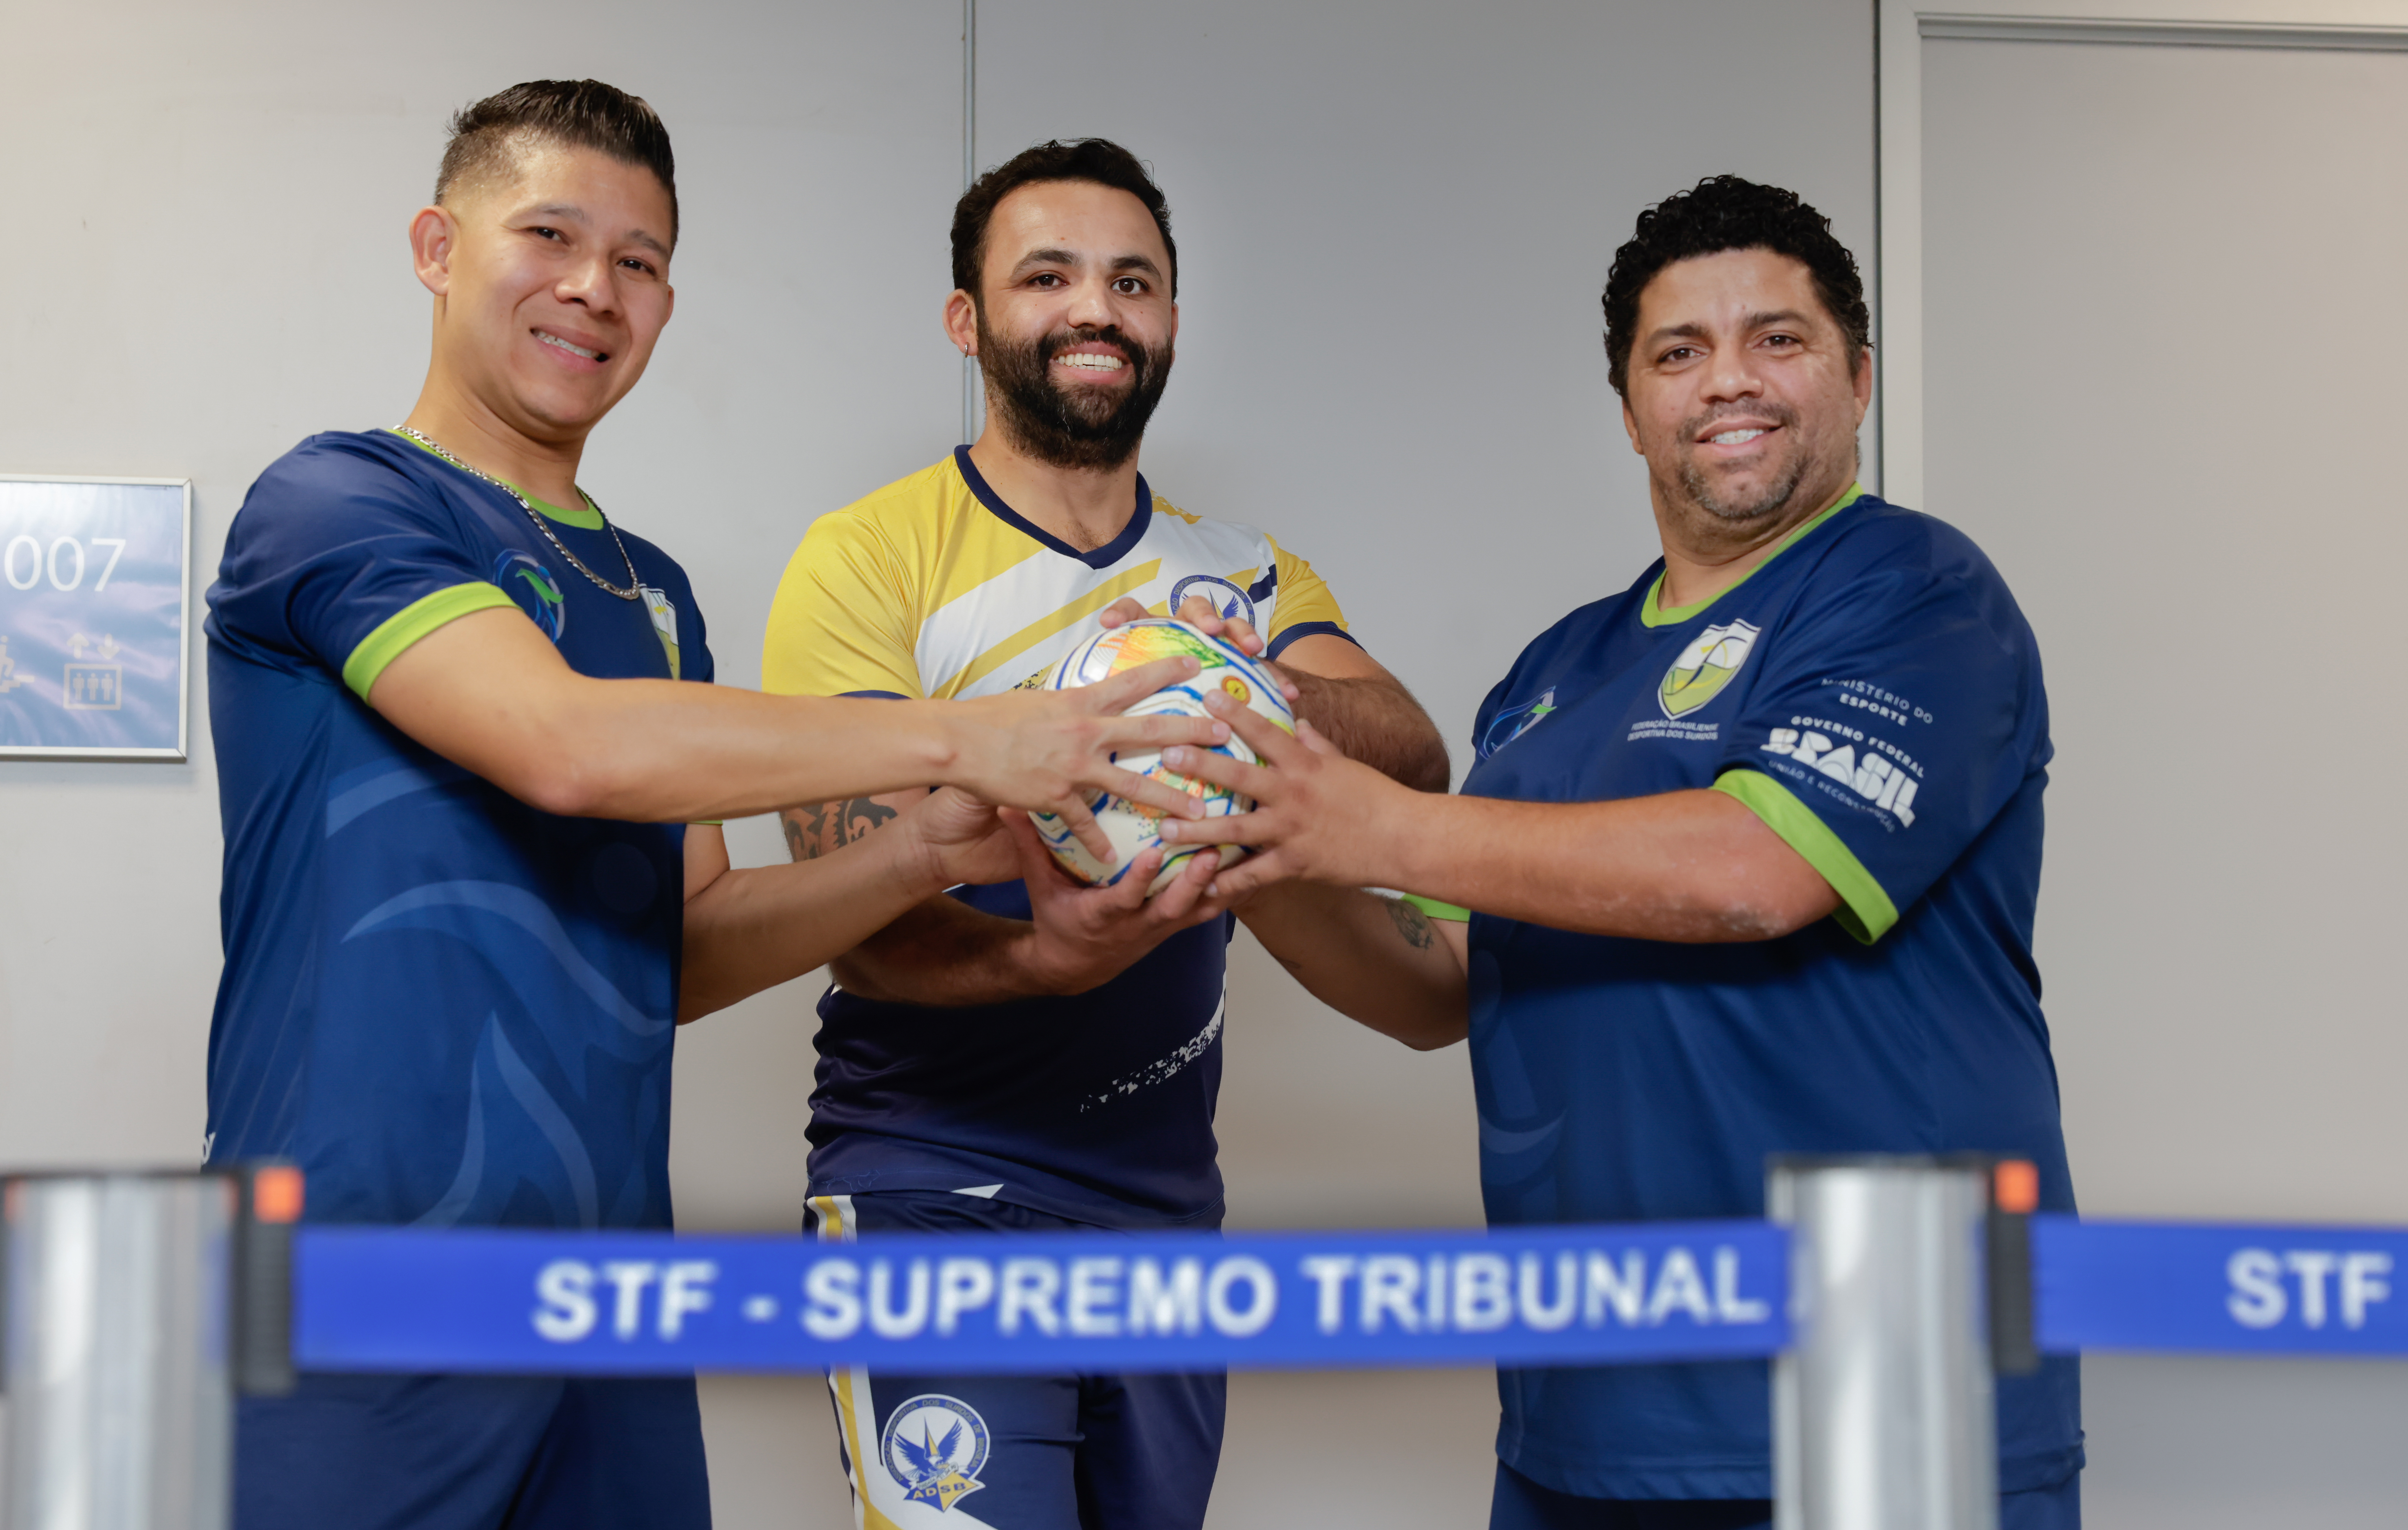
(587, 519)
(1865, 910)
(394, 636)
(1437, 910)
(1653, 613)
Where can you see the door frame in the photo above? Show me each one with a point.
(1900, 27)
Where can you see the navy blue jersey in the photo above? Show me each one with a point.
(1872, 692)
(446, 1005)
(1094, 1107)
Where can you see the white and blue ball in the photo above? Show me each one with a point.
(1133, 828)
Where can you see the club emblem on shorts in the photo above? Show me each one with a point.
(540, 596)
(1705, 667)
(1227, 599)
(936, 1447)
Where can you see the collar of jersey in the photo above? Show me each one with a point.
(1653, 614)
(1102, 558)
(588, 519)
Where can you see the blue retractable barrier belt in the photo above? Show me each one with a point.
(490, 1300)
(2263, 1289)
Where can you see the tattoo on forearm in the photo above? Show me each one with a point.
(822, 828)
(1411, 923)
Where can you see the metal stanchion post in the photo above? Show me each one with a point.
(119, 1398)
(1883, 1410)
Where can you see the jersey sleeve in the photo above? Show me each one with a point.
(1306, 607)
(337, 563)
(843, 622)
(1892, 723)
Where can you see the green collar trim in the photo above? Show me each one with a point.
(587, 519)
(1654, 613)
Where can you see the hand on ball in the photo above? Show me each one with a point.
(1317, 815)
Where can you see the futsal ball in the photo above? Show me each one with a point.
(1132, 827)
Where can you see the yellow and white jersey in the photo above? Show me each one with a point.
(933, 586)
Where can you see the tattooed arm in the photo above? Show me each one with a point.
(942, 952)
(825, 827)
(1372, 958)
(752, 927)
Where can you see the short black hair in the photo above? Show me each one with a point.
(1724, 213)
(1099, 160)
(581, 113)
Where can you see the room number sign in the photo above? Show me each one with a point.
(94, 586)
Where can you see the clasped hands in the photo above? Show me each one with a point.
(1314, 807)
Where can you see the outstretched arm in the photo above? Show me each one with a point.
(1691, 866)
(1372, 957)
(489, 692)
(1364, 710)
(752, 928)
(943, 953)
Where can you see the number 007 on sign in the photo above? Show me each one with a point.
(94, 580)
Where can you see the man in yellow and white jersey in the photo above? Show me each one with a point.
(1040, 1056)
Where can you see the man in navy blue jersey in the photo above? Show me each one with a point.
(462, 722)
(1753, 849)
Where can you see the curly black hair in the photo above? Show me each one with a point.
(1724, 213)
(1099, 160)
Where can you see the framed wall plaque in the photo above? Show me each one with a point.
(95, 575)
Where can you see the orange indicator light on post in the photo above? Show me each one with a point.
(2015, 1187)
(276, 1194)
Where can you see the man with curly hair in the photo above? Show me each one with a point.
(1755, 847)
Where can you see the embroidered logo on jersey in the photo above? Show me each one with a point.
(934, 1446)
(540, 595)
(1705, 667)
(1513, 722)
(663, 625)
(1227, 597)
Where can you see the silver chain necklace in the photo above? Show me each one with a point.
(635, 581)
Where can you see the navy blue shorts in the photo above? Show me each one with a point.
(1521, 1504)
(1017, 1452)
(472, 1452)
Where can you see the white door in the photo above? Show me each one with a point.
(2163, 360)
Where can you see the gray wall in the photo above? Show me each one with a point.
(2159, 294)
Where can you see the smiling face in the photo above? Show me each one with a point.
(1074, 326)
(551, 282)
(1745, 395)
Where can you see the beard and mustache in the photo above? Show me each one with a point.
(1777, 490)
(1085, 428)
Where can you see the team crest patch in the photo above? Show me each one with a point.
(1705, 667)
(1227, 597)
(533, 587)
(934, 1446)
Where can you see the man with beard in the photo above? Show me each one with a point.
(1041, 1056)
(1755, 848)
